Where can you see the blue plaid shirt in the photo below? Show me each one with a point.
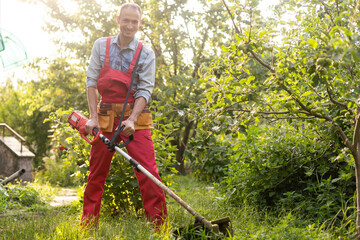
(120, 59)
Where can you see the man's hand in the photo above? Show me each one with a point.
(129, 123)
(91, 124)
(129, 127)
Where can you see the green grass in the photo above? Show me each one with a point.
(45, 222)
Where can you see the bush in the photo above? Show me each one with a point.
(67, 164)
(16, 196)
(209, 155)
(282, 166)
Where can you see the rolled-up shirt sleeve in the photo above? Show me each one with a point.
(146, 78)
(94, 67)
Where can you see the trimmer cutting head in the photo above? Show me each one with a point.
(221, 228)
(225, 226)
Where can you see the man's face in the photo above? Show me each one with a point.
(129, 22)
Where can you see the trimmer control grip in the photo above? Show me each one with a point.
(78, 121)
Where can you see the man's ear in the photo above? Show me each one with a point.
(117, 19)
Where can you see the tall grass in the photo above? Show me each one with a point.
(248, 223)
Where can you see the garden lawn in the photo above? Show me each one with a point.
(62, 222)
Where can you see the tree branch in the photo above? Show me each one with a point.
(338, 128)
(260, 112)
(334, 101)
(289, 117)
(343, 136)
(175, 56)
(296, 99)
(237, 30)
(240, 32)
(351, 72)
(327, 12)
(158, 52)
(189, 36)
(199, 54)
(261, 62)
(250, 27)
(312, 88)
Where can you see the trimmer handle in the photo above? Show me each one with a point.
(95, 131)
(131, 137)
(78, 121)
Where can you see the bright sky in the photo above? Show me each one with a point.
(25, 21)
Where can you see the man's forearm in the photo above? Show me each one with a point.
(139, 106)
(92, 102)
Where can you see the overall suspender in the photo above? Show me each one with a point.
(132, 68)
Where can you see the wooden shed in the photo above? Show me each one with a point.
(14, 155)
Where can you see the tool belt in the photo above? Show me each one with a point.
(107, 112)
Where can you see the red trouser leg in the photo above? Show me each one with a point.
(142, 150)
(99, 166)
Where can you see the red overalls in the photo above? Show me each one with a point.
(113, 85)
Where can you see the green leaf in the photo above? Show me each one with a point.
(313, 43)
(307, 93)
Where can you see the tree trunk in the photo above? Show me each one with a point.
(356, 154)
(357, 174)
(182, 145)
(181, 165)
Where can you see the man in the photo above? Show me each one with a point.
(110, 71)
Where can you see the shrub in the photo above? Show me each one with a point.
(282, 166)
(16, 196)
(67, 163)
(209, 155)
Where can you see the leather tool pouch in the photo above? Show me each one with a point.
(108, 111)
(144, 120)
(106, 119)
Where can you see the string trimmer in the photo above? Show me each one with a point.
(218, 228)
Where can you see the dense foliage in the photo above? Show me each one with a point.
(299, 65)
(288, 167)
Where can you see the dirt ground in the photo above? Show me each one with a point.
(64, 197)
